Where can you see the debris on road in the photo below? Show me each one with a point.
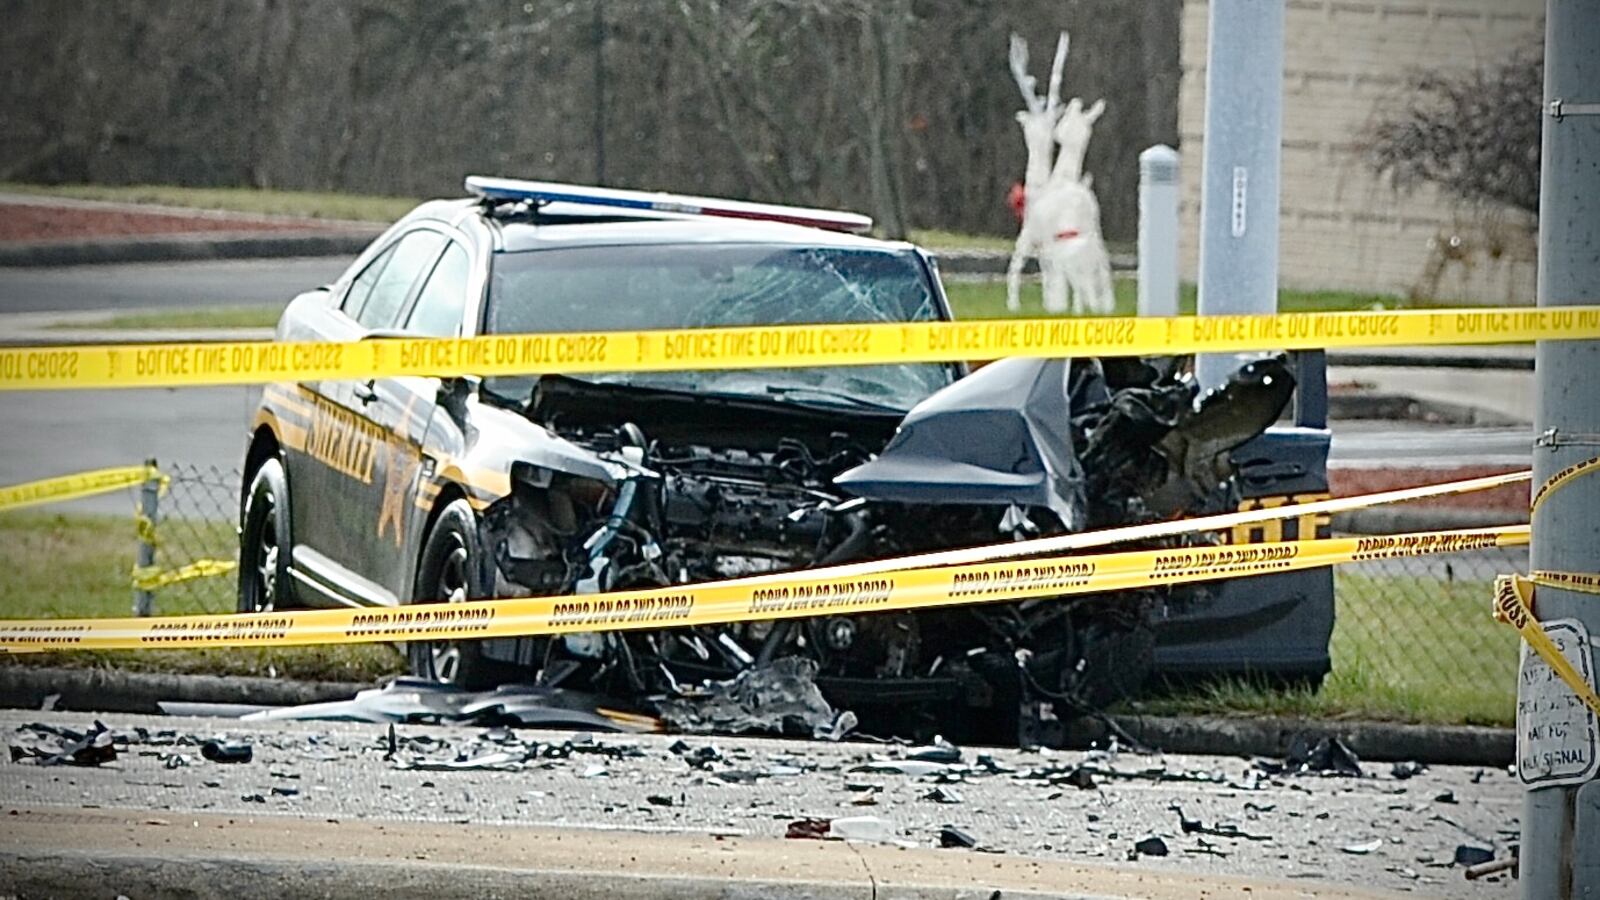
(1409, 769)
(1328, 756)
(417, 700)
(781, 698)
(222, 751)
(1196, 826)
(1362, 849)
(51, 746)
(1470, 855)
(951, 836)
(1150, 846)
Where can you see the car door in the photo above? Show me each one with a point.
(402, 408)
(339, 502)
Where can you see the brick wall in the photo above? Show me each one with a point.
(1341, 227)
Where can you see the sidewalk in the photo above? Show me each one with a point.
(83, 852)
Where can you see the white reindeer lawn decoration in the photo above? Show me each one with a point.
(1060, 214)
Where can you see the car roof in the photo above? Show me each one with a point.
(573, 225)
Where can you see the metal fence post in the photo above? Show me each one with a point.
(1158, 231)
(1240, 161)
(1559, 844)
(149, 511)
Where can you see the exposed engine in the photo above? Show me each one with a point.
(708, 488)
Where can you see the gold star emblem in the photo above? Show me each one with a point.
(401, 467)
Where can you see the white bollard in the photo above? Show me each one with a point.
(1158, 231)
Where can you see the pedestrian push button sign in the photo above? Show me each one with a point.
(1558, 741)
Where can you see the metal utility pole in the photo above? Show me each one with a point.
(1158, 231)
(1239, 187)
(1560, 853)
(599, 92)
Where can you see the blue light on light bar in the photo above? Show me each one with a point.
(511, 189)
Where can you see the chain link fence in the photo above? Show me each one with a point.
(194, 536)
(1416, 636)
(1413, 638)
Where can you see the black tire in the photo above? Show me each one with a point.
(447, 573)
(264, 582)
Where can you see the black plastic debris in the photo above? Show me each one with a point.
(1471, 855)
(285, 792)
(808, 829)
(227, 751)
(1327, 756)
(779, 698)
(253, 798)
(48, 745)
(1079, 777)
(659, 800)
(1221, 829)
(1150, 846)
(1404, 770)
(1445, 797)
(951, 836)
(942, 795)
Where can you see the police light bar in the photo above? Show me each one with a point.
(541, 192)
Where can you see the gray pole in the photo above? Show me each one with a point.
(1158, 231)
(1560, 843)
(150, 509)
(1239, 187)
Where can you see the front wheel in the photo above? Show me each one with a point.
(264, 543)
(445, 574)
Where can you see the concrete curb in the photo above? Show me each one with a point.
(1406, 408)
(185, 248)
(114, 690)
(111, 690)
(1455, 745)
(1401, 520)
(81, 874)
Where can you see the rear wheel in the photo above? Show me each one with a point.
(264, 543)
(447, 574)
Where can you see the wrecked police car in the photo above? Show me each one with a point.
(415, 490)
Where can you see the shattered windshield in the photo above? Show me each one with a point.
(643, 287)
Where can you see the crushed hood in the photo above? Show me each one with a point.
(1002, 435)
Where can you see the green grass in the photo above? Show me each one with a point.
(986, 299)
(1404, 649)
(60, 566)
(313, 204)
(211, 317)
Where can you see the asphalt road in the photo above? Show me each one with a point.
(1377, 832)
(151, 285)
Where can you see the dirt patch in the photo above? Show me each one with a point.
(31, 222)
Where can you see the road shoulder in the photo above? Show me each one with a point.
(52, 850)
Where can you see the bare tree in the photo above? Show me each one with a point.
(1473, 132)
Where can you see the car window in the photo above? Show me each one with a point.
(656, 286)
(437, 312)
(362, 286)
(411, 257)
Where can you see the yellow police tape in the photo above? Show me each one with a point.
(151, 578)
(76, 486)
(1513, 606)
(801, 594)
(166, 365)
(1513, 598)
